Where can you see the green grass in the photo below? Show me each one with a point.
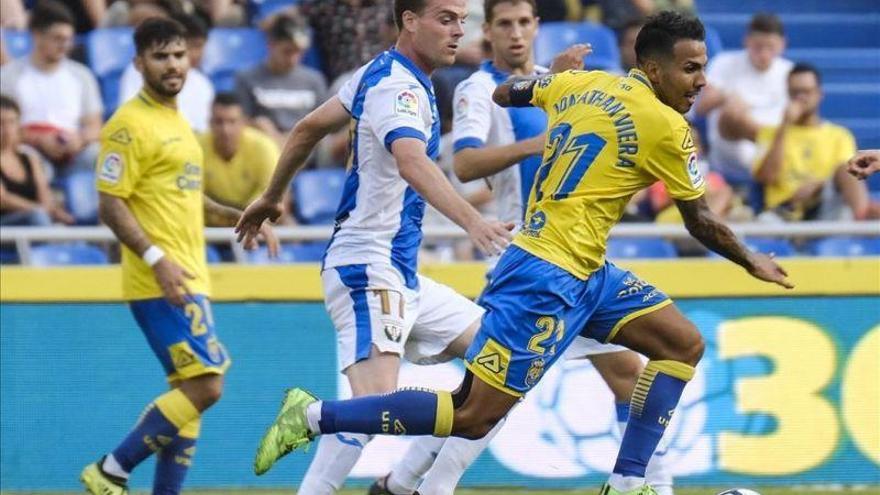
(874, 490)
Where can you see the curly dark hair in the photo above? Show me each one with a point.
(662, 30)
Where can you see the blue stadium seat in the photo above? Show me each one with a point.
(841, 65)
(307, 252)
(8, 255)
(780, 247)
(67, 254)
(81, 197)
(827, 28)
(846, 246)
(714, 46)
(17, 43)
(316, 195)
(212, 254)
(854, 101)
(646, 247)
(109, 51)
(874, 181)
(229, 50)
(554, 37)
(261, 9)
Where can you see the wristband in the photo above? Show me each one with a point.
(152, 255)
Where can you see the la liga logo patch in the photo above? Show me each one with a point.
(407, 103)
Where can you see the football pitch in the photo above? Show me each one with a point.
(872, 490)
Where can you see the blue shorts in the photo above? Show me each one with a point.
(534, 310)
(183, 338)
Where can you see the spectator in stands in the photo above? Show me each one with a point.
(12, 14)
(87, 14)
(25, 197)
(626, 43)
(194, 100)
(802, 162)
(133, 12)
(864, 164)
(229, 13)
(617, 13)
(239, 160)
(279, 92)
(748, 85)
(348, 32)
(59, 98)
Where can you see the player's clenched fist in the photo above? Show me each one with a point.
(864, 164)
(572, 58)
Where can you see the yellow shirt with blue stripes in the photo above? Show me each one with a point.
(609, 137)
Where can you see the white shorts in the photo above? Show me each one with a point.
(582, 347)
(370, 305)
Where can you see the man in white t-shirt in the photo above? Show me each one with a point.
(745, 83)
(60, 101)
(194, 100)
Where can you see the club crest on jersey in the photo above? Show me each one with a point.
(694, 173)
(407, 103)
(535, 224)
(111, 168)
(393, 332)
(536, 371)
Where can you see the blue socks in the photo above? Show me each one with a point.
(404, 412)
(653, 402)
(175, 459)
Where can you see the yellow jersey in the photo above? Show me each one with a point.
(809, 153)
(151, 159)
(609, 137)
(243, 178)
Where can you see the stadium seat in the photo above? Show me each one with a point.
(67, 254)
(316, 195)
(646, 247)
(779, 247)
(261, 9)
(109, 51)
(8, 255)
(17, 43)
(307, 252)
(212, 254)
(554, 37)
(714, 46)
(827, 27)
(229, 50)
(81, 197)
(847, 246)
(874, 182)
(855, 101)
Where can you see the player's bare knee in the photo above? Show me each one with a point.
(691, 349)
(473, 424)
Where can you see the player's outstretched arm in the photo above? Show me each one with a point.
(707, 228)
(421, 173)
(864, 164)
(114, 212)
(299, 145)
(218, 215)
(518, 90)
(478, 163)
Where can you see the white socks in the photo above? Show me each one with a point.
(440, 461)
(407, 473)
(111, 466)
(625, 483)
(334, 459)
(455, 457)
(313, 415)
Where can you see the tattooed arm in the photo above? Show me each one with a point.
(707, 228)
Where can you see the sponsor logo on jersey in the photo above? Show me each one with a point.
(694, 173)
(535, 224)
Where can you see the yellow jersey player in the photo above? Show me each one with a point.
(149, 176)
(608, 138)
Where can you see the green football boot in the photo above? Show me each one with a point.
(289, 431)
(97, 482)
(642, 490)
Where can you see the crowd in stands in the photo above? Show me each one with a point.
(767, 151)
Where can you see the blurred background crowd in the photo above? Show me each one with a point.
(810, 75)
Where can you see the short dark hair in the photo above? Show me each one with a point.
(401, 6)
(489, 7)
(48, 13)
(286, 27)
(195, 26)
(227, 99)
(767, 23)
(803, 68)
(157, 31)
(661, 31)
(7, 103)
